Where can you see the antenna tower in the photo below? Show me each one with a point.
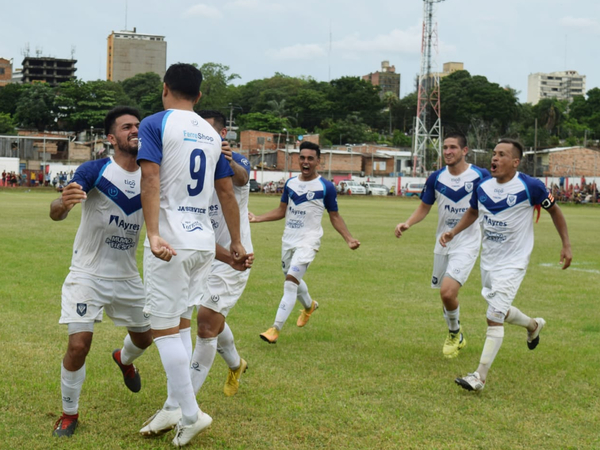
(429, 126)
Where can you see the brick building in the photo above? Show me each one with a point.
(387, 79)
(5, 71)
(564, 162)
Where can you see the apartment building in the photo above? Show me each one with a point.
(561, 85)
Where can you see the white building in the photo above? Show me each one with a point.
(560, 85)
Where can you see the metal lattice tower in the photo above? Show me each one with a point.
(428, 121)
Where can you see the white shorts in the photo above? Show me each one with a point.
(84, 297)
(499, 288)
(457, 266)
(299, 256)
(172, 287)
(225, 285)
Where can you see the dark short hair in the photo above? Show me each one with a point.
(115, 113)
(311, 146)
(516, 146)
(184, 80)
(461, 138)
(218, 117)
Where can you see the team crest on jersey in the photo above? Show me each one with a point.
(310, 195)
(469, 187)
(81, 309)
(215, 298)
(511, 200)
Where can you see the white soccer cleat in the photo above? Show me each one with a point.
(472, 382)
(161, 422)
(533, 337)
(184, 434)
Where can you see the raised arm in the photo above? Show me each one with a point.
(561, 226)
(275, 214)
(340, 226)
(419, 214)
(231, 212)
(70, 196)
(240, 174)
(469, 217)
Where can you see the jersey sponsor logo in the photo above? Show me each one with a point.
(511, 200)
(215, 298)
(453, 210)
(499, 190)
(245, 162)
(196, 137)
(122, 224)
(191, 226)
(81, 309)
(297, 212)
(292, 223)
(493, 222)
(469, 187)
(130, 183)
(196, 366)
(194, 122)
(295, 269)
(443, 190)
(434, 280)
(455, 180)
(113, 192)
(120, 243)
(310, 195)
(191, 209)
(451, 223)
(494, 237)
(214, 224)
(483, 199)
(67, 399)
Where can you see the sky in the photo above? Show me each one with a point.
(503, 40)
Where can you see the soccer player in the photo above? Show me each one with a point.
(504, 205)
(451, 187)
(303, 202)
(103, 273)
(225, 284)
(181, 162)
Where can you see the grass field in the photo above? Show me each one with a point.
(367, 371)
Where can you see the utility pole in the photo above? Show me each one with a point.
(230, 117)
(535, 150)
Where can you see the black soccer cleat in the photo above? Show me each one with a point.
(131, 376)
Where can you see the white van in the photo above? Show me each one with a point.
(414, 189)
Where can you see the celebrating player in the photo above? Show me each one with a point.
(103, 273)
(452, 187)
(303, 202)
(504, 205)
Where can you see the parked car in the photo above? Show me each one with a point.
(254, 185)
(376, 188)
(414, 189)
(351, 187)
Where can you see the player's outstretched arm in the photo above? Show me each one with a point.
(231, 212)
(419, 214)
(275, 214)
(467, 220)
(561, 226)
(340, 226)
(70, 196)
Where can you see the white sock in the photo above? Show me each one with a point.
(226, 348)
(452, 319)
(290, 292)
(70, 386)
(130, 352)
(303, 295)
(176, 365)
(516, 317)
(493, 342)
(202, 361)
(186, 338)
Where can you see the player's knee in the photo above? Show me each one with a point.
(79, 348)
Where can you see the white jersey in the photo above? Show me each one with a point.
(111, 221)
(453, 194)
(217, 219)
(506, 215)
(307, 201)
(188, 151)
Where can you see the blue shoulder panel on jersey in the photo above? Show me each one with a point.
(427, 195)
(223, 169)
(536, 190)
(329, 195)
(88, 174)
(151, 134)
(242, 161)
(286, 191)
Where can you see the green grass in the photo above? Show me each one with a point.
(365, 373)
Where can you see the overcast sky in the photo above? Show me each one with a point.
(504, 40)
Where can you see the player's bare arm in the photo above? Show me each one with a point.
(561, 226)
(275, 214)
(340, 226)
(150, 197)
(240, 175)
(70, 196)
(418, 215)
(467, 220)
(231, 212)
(223, 255)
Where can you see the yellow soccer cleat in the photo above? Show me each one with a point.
(233, 379)
(270, 335)
(305, 314)
(453, 344)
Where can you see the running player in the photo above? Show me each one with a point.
(504, 205)
(451, 187)
(303, 202)
(103, 274)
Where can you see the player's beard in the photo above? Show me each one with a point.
(126, 146)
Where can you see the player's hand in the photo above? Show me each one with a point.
(226, 151)
(446, 237)
(245, 264)
(252, 217)
(353, 243)
(400, 228)
(566, 257)
(238, 252)
(161, 248)
(72, 194)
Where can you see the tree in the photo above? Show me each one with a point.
(353, 95)
(9, 97)
(7, 125)
(36, 107)
(215, 86)
(145, 91)
(263, 122)
(351, 130)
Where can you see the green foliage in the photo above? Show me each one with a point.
(36, 107)
(263, 122)
(216, 82)
(145, 91)
(7, 125)
(400, 139)
(351, 130)
(9, 97)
